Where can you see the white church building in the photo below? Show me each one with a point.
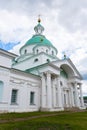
(37, 80)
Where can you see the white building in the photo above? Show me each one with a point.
(38, 79)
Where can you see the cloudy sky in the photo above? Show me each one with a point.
(65, 23)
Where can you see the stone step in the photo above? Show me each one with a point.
(72, 109)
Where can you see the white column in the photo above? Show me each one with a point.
(60, 100)
(54, 92)
(49, 91)
(72, 97)
(81, 95)
(69, 96)
(76, 95)
(54, 99)
(43, 101)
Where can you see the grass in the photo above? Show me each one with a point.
(61, 121)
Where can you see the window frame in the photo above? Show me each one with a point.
(14, 97)
(32, 98)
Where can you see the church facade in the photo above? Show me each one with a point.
(37, 80)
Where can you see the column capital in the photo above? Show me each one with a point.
(48, 74)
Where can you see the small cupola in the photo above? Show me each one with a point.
(38, 42)
(39, 28)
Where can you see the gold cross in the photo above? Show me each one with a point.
(39, 20)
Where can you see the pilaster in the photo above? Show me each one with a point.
(72, 97)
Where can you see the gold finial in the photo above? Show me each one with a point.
(39, 20)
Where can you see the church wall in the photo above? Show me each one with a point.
(5, 61)
(4, 77)
(29, 49)
(26, 64)
(24, 84)
(45, 49)
(29, 63)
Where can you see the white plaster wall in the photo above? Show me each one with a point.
(5, 61)
(24, 84)
(4, 77)
(26, 64)
(44, 48)
(28, 48)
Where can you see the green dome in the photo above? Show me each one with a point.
(39, 39)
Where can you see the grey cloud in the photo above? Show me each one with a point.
(72, 16)
(27, 6)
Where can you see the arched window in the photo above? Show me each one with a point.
(52, 52)
(48, 60)
(25, 51)
(47, 51)
(37, 51)
(1, 90)
(36, 60)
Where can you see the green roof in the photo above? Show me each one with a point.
(39, 39)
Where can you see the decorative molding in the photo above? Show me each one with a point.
(16, 82)
(3, 73)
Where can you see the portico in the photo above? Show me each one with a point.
(51, 92)
(76, 94)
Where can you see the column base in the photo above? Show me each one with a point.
(52, 109)
(82, 107)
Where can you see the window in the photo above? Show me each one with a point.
(48, 60)
(25, 51)
(36, 60)
(61, 83)
(14, 96)
(1, 90)
(47, 51)
(52, 52)
(37, 51)
(32, 95)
